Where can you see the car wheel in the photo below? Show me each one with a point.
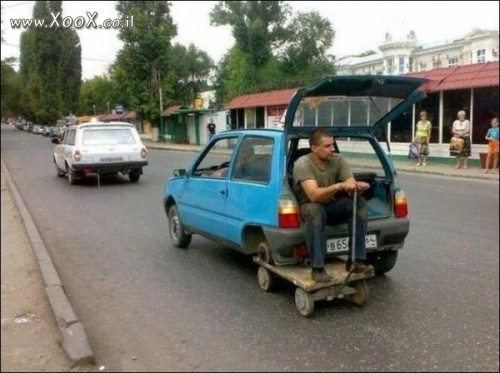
(382, 261)
(134, 177)
(178, 235)
(264, 253)
(59, 172)
(71, 177)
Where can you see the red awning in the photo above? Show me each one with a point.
(281, 97)
(461, 77)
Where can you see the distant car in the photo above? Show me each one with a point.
(238, 190)
(100, 149)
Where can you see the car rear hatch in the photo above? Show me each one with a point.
(110, 145)
(364, 101)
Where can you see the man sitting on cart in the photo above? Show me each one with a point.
(323, 183)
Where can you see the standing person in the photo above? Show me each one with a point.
(318, 180)
(211, 129)
(423, 136)
(493, 137)
(461, 129)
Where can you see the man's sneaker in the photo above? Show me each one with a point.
(357, 267)
(320, 275)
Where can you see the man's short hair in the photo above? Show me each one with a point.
(317, 135)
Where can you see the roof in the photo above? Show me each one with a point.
(461, 77)
(271, 98)
(442, 79)
(172, 110)
(112, 116)
(129, 115)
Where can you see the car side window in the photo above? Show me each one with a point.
(216, 161)
(69, 137)
(253, 160)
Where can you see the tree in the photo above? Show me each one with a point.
(11, 92)
(258, 30)
(50, 67)
(142, 66)
(304, 55)
(191, 67)
(99, 91)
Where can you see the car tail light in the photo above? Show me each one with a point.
(400, 204)
(77, 156)
(301, 251)
(288, 215)
(144, 153)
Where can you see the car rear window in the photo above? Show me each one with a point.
(108, 136)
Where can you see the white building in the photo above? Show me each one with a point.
(403, 55)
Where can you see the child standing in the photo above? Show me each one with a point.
(492, 136)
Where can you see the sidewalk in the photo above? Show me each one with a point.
(32, 340)
(434, 166)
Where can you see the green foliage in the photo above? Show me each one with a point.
(272, 50)
(98, 91)
(11, 89)
(191, 67)
(142, 66)
(50, 68)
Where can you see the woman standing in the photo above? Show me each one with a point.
(461, 129)
(422, 137)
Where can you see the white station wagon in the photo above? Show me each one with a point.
(100, 148)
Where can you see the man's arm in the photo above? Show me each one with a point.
(325, 195)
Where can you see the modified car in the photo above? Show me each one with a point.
(238, 190)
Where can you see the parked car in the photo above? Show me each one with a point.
(100, 149)
(252, 207)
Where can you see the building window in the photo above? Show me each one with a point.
(452, 62)
(436, 62)
(401, 67)
(481, 56)
(423, 66)
(390, 65)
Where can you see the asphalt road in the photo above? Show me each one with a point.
(147, 306)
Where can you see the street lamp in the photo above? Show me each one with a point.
(94, 108)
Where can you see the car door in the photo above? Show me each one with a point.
(202, 201)
(253, 186)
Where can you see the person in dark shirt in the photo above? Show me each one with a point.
(319, 180)
(211, 129)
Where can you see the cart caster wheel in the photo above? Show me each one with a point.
(361, 295)
(304, 302)
(265, 278)
(264, 252)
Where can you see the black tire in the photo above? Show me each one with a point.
(58, 171)
(71, 177)
(383, 261)
(264, 252)
(134, 177)
(178, 235)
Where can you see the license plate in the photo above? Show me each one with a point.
(112, 159)
(341, 245)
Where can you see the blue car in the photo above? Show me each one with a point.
(238, 190)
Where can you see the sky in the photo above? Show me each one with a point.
(359, 25)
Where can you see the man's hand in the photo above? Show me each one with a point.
(362, 186)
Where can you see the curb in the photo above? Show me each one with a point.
(73, 336)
